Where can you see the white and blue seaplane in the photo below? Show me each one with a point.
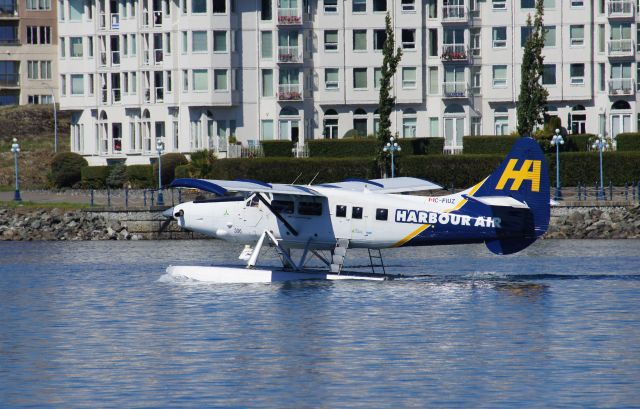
(508, 211)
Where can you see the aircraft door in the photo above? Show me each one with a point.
(252, 213)
(359, 223)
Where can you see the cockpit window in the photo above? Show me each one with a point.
(282, 206)
(310, 208)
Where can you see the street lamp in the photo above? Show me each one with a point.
(160, 149)
(15, 149)
(55, 118)
(557, 141)
(600, 143)
(392, 147)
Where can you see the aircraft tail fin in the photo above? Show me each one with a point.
(523, 176)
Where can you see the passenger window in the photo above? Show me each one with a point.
(341, 211)
(382, 214)
(356, 213)
(310, 208)
(282, 206)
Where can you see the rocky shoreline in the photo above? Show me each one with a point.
(57, 224)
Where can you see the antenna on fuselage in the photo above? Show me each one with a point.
(314, 178)
(296, 179)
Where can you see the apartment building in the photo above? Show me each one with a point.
(28, 73)
(199, 73)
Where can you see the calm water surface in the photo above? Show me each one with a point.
(98, 324)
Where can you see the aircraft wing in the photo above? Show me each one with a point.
(394, 185)
(220, 187)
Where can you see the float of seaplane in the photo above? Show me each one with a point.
(507, 211)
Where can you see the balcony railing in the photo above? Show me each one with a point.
(289, 92)
(454, 52)
(289, 54)
(620, 8)
(289, 16)
(455, 90)
(621, 48)
(10, 80)
(622, 86)
(454, 14)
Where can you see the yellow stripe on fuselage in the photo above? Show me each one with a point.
(425, 226)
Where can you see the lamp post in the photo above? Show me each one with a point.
(15, 149)
(392, 147)
(55, 118)
(600, 144)
(160, 149)
(557, 141)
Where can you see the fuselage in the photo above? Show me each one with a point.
(366, 219)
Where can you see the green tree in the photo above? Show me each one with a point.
(533, 95)
(386, 102)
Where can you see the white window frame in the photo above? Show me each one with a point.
(330, 8)
(576, 80)
(408, 6)
(500, 5)
(498, 43)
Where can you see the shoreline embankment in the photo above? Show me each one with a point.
(580, 221)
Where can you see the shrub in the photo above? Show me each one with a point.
(460, 171)
(577, 142)
(184, 171)
(628, 141)
(140, 176)
(421, 146)
(351, 133)
(488, 144)
(66, 169)
(169, 163)
(95, 177)
(273, 149)
(343, 148)
(117, 176)
(201, 163)
(286, 170)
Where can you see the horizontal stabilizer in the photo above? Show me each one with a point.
(498, 201)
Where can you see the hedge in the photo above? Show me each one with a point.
(275, 149)
(286, 170)
(66, 168)
(629, 141)
(343, 148)
(140, 176)
(584, 168)
(485, 144)
(95, 176)
(421, 146)
(459, 171)
(169, 163)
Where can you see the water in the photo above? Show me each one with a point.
(97, 324)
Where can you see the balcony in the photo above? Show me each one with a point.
(454, 53)
(455, 14)
(289, 17)
(621, 48)
(620, 8)
(289, 54)
(289, 92)
(622, 86)
(455, 90)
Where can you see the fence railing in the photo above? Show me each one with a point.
(629, 192)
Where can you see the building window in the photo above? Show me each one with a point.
(525, 32)
(550, 36)
(434, 127)
(38, 35)
(219, 6)
(576, 35)
(38, 4)
(266, 129)
(331, 79)
(330, 6)
(499, 4)
(409, 78)
(330, 40)
(527, 4)
(220, 41)
(433, 80)
(499, 76)
(408, 5)
(360, 78)
(75, 44)
(576, 74)
(377, 76)
(331, 127)
(266, 39)
(200, 80)
(267, 83)
(359, 6)
(499, 37)
(199, 42)
(360, 122)
(198, 6)
(265, 10)
(359, 40)
(379, 37)
(379, 5)
(549, 74)
(577, 3)
(409, 39)
(77, 84)
(220, 80)
(409, 124)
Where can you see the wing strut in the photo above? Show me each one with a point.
(277, 215)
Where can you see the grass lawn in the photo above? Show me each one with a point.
(33, 205)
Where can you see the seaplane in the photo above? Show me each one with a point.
(507, 211)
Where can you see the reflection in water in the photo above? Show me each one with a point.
(98, 324)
